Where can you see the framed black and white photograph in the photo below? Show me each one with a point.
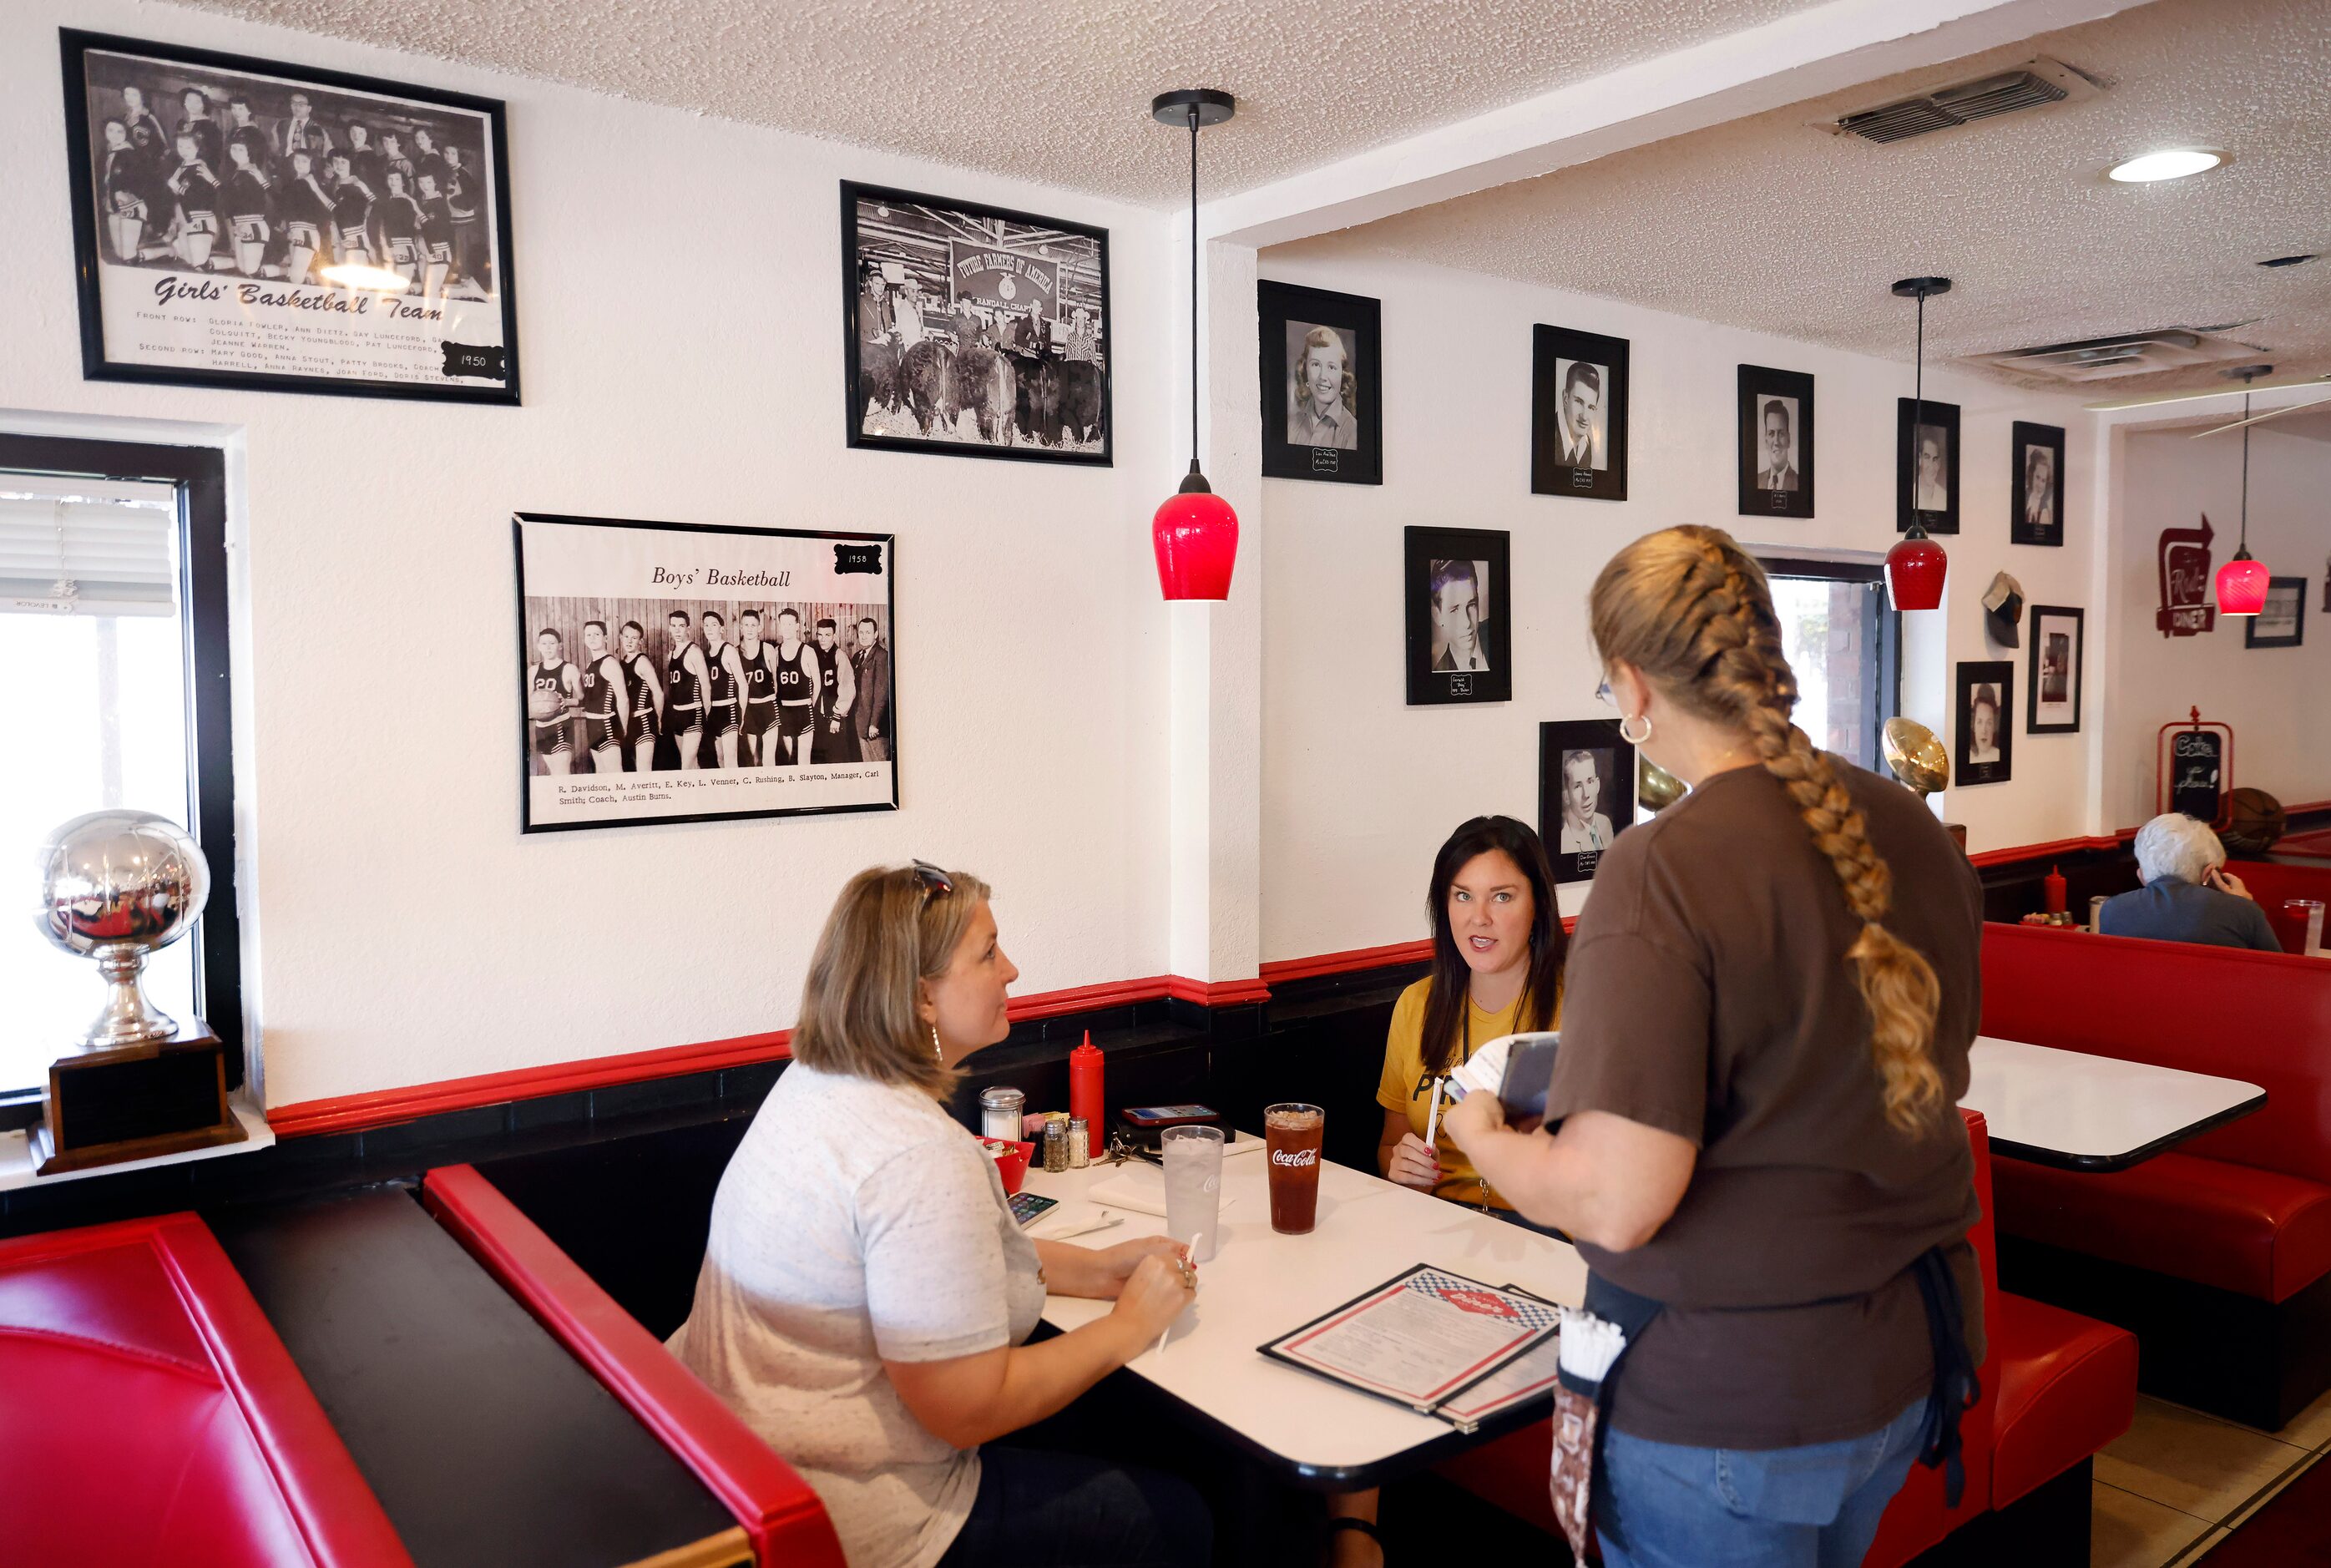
(973, 331)
(1458, 612)
(1578, 414)
(1776, 442)
(245, 223)
(1585, 793)
(2282, 620)
(2039, 518)
(1986, 727)
(2059, 653)
(672, 673)
(1926, 465)
(1322, 385)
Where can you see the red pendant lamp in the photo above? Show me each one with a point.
(2241, 582)
(1196, 532)
(1916, 566)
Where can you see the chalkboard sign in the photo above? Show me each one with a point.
(2197, 763)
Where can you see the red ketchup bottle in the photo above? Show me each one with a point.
(1084, 1089)
(2054, 884)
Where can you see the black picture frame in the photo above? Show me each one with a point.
(694, 581)
(1996, 677)
(1556, 355)
(2278, 588)
(202, 296)
(2055, 674)
(1358, 321)
(1560, 743)
(909, 242)
(1487, 551)
(1760, 385)
(2048, 527)
(1911, 411)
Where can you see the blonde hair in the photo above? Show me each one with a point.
(1691, 609)
(890, 930)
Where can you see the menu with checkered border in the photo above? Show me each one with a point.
(1421, 1338)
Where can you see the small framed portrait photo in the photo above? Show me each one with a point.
(1322, 385)
(1585, 793)
(2059, 652)
(1776, 442)
(1578, 414)
(2281, 622)
(1926, 465)
(2038, 485)
(1987, 729)
(1458, 608)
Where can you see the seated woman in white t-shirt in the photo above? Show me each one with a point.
(866, 1295)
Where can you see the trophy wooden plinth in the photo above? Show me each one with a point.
(108, 1104)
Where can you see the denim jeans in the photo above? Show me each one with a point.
(1045, 1510)
(1815, 1507)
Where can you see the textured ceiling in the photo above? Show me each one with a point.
(1768, 224)
(1048, 90)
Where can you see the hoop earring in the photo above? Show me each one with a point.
(1635, 739)
(935, 1052)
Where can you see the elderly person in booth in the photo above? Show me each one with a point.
(2188, 894)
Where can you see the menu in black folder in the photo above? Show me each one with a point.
(1420, 1339)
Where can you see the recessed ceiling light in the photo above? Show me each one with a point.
(2174, 163)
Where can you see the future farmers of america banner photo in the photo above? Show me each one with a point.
(1003, 279)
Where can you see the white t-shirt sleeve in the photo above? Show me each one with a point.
(934, 1258)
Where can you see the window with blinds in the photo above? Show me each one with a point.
(81, 547)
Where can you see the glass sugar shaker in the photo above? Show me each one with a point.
(999, 1112)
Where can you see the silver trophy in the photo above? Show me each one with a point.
(115, 886)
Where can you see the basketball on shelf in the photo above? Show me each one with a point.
(545, 706)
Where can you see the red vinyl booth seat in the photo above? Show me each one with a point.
(778, 1509)
(151, 1418)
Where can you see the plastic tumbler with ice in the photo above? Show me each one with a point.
(1293, 1133)
(1194, 1186)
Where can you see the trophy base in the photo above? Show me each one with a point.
(110, 1104)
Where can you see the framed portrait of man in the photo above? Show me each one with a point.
(1926, 465)
(2039, 518)
(1585, 793)
(1986, 729)
(2058, 652)
(254, 224)
(1322, 385)
(1776, 442)
(1578, 414)
(1458, 611)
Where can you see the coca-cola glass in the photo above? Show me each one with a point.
(1293, 1132)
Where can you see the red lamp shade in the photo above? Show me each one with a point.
(1914, 573)
(1196, 534)
(2242, 586)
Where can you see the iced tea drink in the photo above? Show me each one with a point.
(1293, 1133)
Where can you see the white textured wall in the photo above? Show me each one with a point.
(2278, 699)
(678, 288)
(1359, 790)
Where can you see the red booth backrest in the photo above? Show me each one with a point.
(2261, 1017)
(150, 1415)
(2270, 882)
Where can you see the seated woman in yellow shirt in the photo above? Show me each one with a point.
(1497, 969)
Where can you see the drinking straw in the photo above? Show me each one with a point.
(1432, 1116)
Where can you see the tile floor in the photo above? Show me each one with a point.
(2171, 1487)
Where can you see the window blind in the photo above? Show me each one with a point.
(77, 547)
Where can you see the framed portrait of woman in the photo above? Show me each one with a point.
(2039, 517)
(1322, 385)
(1986, 727)
(1926, 465)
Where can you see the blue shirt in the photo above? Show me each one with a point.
(2172, 909)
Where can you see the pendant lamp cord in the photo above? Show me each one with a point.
(1194, 290)
(1918, 410)
(2245, 545)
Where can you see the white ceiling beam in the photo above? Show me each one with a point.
(1801, 56)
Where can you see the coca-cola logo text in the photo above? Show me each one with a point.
(1294, 1156)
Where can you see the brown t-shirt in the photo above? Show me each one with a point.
(1707, 995)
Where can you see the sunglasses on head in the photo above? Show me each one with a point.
(932, 880)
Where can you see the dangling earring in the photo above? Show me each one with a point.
(936, 1051)
(1645, 719)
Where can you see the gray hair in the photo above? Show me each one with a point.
(2174, 844)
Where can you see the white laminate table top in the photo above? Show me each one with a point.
(1261, 1285)
(2084, 1112)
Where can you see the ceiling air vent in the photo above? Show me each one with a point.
(2110, 359)
(2032, 85)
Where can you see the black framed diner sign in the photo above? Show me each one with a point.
(250, 223)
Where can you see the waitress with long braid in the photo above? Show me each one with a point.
(1766, 1022)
